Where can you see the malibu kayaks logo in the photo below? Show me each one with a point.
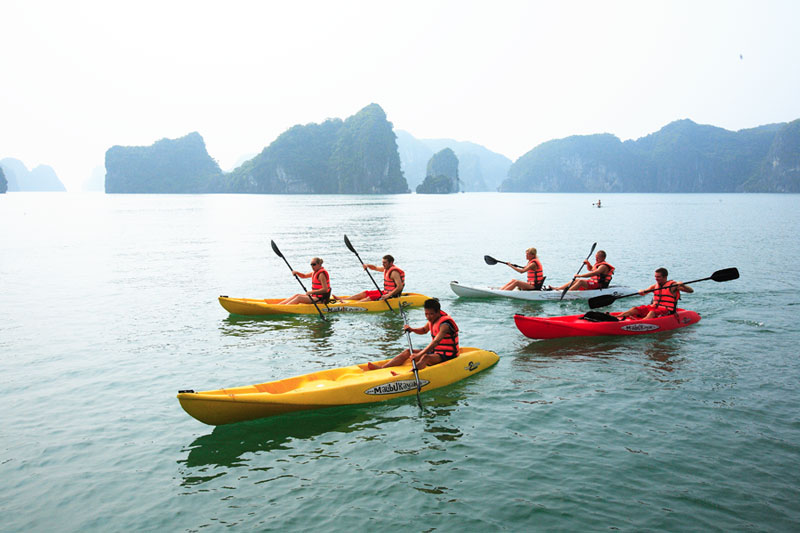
(640, 327)
(344, 309)
(471, 366)
(396, 387)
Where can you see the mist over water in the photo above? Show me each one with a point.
(109, 308)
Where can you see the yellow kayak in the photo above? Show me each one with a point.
(348, 385)
(269, 306)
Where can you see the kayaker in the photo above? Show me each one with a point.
(534, 270)
(394, 281)
(443, 346)
(320, 286)
(665, 298)
(599, 275)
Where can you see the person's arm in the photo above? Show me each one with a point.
(593, 272)
(398, 286)
(679, 286)
(373, 267)
(323, 279)
(419, 331)
(444, 330)
(301, 275)
(651, 287)
(530, 266)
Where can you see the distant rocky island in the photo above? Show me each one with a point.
(479, 168)
(442, 174)
(363, 155)
(353, 156)
(3, 182)
(681, 157)
(17, 177)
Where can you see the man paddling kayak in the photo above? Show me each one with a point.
(320, 286)
(444, 345)
(666, 294)
(534, 270)
(394, 281)
(599, 275)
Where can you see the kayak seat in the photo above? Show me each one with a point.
(597, 316)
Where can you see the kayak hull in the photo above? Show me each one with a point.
(351, 385)
(537, 296)
(269, 306)
(572, 326)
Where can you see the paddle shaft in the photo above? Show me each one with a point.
(576, 274)
(411, 355)
(350, 247)
(279, 254)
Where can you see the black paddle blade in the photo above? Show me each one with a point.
(601, 301)
(275, 248)
(726, 274)
(349, 246)
(490, 260)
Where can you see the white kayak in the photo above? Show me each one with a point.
(488, 292)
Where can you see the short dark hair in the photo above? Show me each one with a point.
(663, 271)
(389, 258)
(432, 304)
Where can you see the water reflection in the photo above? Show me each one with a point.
(663, 349)
(213, 455)
(226, 445)
(241, 326)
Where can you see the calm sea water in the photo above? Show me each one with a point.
(109, 307)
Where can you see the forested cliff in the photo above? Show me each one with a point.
(168, 166)
(681, 157)
(354, 156)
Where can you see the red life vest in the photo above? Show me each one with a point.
(535, 274)
(317, 284)
(388, 283)
(448, 346)
(664, 299)
(603, 279)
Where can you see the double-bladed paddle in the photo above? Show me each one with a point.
(350, 247)
(411, 352)
(726, 274)
(275, 249)
(576, 274)
(492, 261)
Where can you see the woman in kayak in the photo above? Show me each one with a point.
(320, 286)
(599, 275)
(444, 345)
(665, 298)
(534, 270)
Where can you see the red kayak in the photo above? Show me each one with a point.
(594, 323)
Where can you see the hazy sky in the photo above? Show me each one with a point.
(79, 77)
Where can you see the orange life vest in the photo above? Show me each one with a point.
(448, 346)
(316, 284)
(388, 283)
(604, 279)
(535, 274)
(664, 299)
